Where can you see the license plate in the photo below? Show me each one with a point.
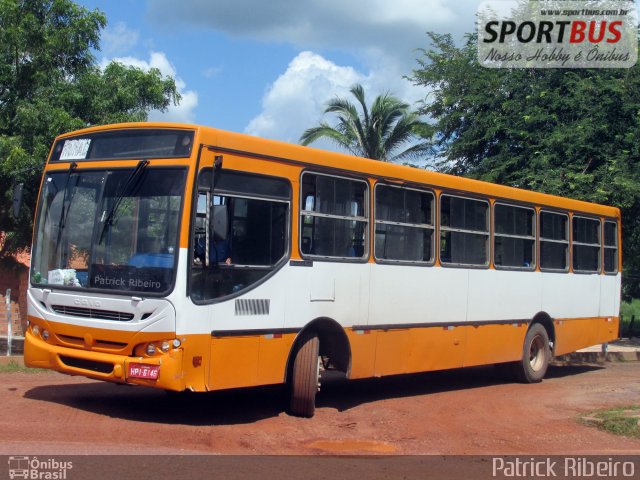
(141, 370)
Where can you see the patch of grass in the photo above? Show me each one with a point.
(627, 311)
(624, 421)
(16, 367)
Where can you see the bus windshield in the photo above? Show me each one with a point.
(109, 229)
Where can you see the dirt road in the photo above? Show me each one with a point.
(456, 412)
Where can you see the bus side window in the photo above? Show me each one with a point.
(610, 247)
(220, 221)
(219, 216)
(554, 241)
(333, 216)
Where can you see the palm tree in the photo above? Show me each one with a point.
(376, 133)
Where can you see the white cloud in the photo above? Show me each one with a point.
(185, 111)
(298, 96)
(297, 99)
(119, 39)
(383, 35)
(393, 29)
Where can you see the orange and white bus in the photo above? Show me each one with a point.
(184, 257)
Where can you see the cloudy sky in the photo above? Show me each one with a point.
(268, 68)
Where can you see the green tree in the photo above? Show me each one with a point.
(388, 131)
(50, 83)
(565, 132)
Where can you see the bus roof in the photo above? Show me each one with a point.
(242, 144)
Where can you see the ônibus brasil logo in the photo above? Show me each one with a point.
(557, 34)
(32, 468)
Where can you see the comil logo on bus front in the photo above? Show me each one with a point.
(557, 34)
(35, 468)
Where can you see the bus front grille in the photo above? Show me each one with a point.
(91, 365)
(79, 342)
(92, 313)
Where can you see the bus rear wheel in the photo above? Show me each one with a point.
(303, 384)
(536, 355)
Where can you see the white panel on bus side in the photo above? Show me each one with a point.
(571, 295)
(618, 294)
(417, 294)
(202, 319)
(610, 295)
(191, 319)
(308, 293)
(322, 289)
(225, 316)
(503, 295)
(290, 300)
(393, 294)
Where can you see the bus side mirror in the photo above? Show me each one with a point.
(17, 199)
(220, 221)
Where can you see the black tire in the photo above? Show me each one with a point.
(536, 355)
(303, 380)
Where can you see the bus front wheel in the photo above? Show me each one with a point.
(303, 382)
(536, 355)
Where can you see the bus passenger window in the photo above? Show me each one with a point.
(514, 237)
(610, 247)
(554, 241)
(464, 231)
(404, 224)
(586, 244)
(333, 216)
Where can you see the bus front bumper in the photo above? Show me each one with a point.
(105, 366)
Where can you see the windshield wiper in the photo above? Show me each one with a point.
(128, 187)
(66, 204)
(64, 211)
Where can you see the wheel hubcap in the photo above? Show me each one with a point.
(536, 353)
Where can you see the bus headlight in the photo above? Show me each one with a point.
(45, 335)
(36, 330)
(153, 348)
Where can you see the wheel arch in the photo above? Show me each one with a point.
(333, 344)
(544, 319)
